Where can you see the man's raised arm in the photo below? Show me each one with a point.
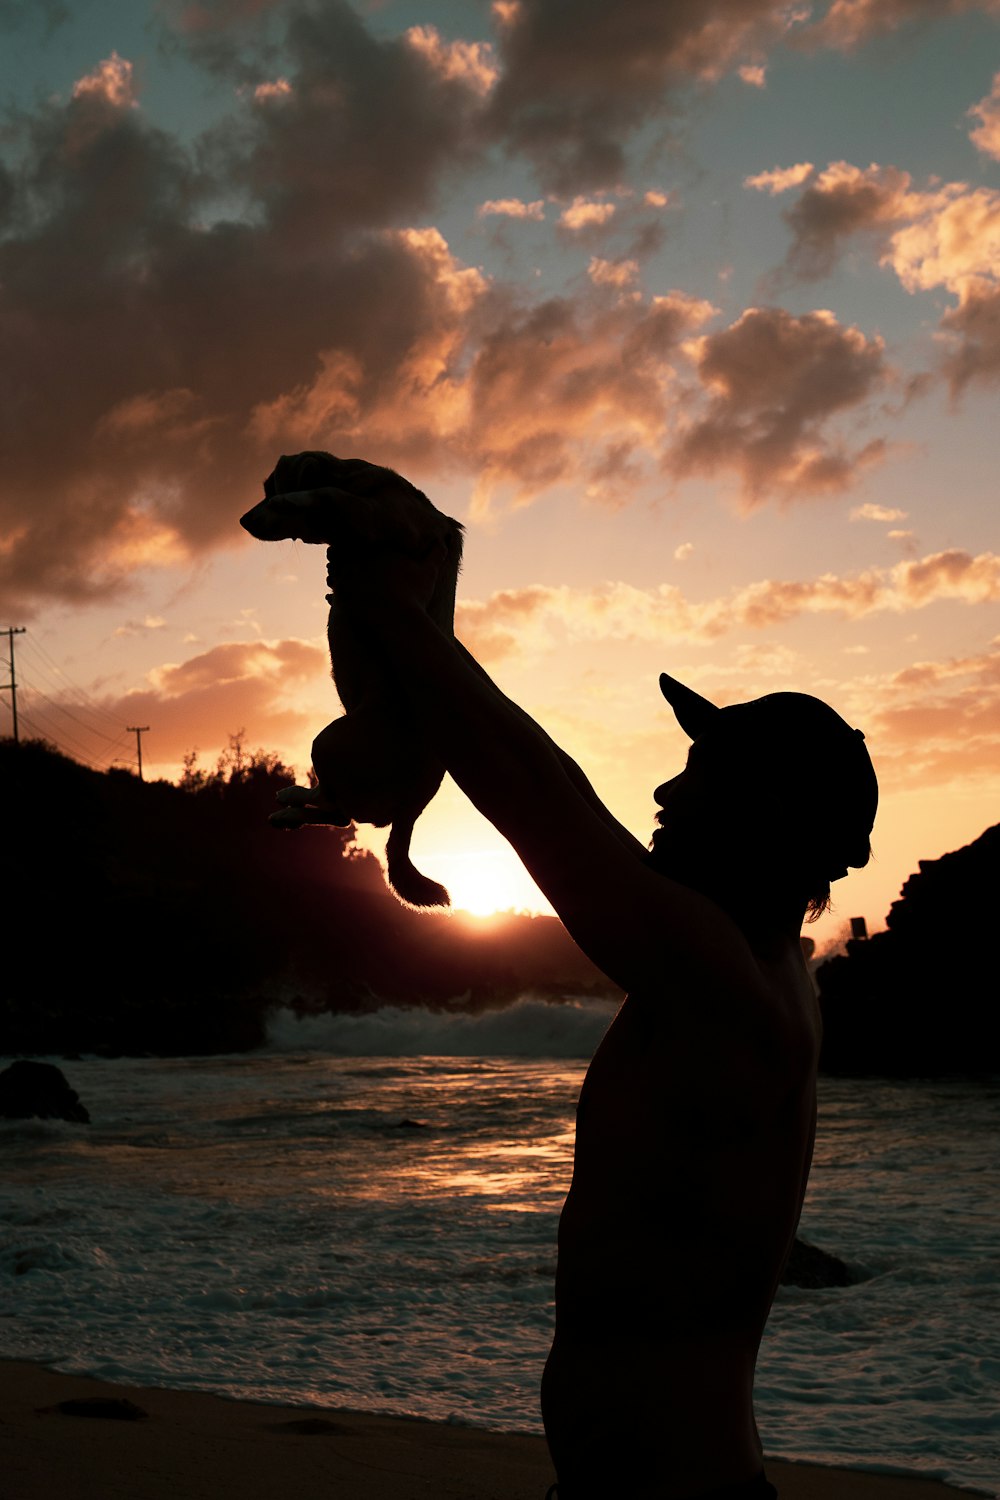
(626, 917)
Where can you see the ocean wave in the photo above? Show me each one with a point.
(529, 1027)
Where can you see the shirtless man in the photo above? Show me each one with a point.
(697, 1116)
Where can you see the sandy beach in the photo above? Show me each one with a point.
(201, 1447)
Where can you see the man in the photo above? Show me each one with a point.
(697, 1117)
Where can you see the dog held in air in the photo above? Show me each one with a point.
(370, 765)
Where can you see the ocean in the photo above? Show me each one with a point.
(364, 1214)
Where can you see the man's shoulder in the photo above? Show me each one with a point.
(725, 997)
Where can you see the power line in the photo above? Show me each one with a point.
(11, 686)
(61, 708)
(81, 693)
(138, 732)
(41, 733)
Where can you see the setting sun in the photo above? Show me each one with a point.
(486, 881)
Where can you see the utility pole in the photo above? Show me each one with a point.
(138, 731)
(10, 633)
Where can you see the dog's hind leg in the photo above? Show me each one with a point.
(404, 877)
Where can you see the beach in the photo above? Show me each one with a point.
(193, 1446)
(376, 1233)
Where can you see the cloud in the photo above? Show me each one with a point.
(774, 383)
(202, 701)
(133, 318)
(572, 109)
(849, 24)
(470, 63)
(937, 721)
(584, 213)
(840, 202)
(538, 617)
(111, 81)
(986, 135)
(618, 273)
(871, 512)
(780, 179)
(946, 235)
(573, 390)
(512, 208)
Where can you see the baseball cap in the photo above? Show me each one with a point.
(794, 738)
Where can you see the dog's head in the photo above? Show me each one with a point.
(313, 497)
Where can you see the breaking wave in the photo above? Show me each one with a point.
(529, 1027)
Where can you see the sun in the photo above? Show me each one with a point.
(486, 881)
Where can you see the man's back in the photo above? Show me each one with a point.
(693, 1148)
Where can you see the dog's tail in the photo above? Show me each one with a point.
(404, 877)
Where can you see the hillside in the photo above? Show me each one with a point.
(147, 917)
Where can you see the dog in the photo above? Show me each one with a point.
(370, 764)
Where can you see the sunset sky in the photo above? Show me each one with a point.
(689, 311)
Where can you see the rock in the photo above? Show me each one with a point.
(810, 1267)
(311, 1427)
(115, 1408)
(36, 1090)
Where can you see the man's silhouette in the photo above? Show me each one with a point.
(696, 1121)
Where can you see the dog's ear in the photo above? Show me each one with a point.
(301, 471)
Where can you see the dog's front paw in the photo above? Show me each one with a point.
(287, 817)
(296, 796)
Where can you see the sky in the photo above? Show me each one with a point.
(689, 312)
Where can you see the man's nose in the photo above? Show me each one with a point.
(660, 795)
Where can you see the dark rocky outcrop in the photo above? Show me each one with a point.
(808, 1266)
(39, 1091)
(919, 1000)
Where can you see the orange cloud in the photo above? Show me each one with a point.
(753, 74)
(586, 214)
(512, 208)
(780, 179)
(538, 617)
(849, 24)
(111, 81)
(938, 721)
(264, 687)
(947, 235)
(986, 135)
(871, 512)
(774, 383)
(202, 701)
(470, 63)
(617, 273)
(271, 90)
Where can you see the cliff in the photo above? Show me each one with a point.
(920, 999)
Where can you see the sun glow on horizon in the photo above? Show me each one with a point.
(488, 882)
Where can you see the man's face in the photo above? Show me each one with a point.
(688, 802)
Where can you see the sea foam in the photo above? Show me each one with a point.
(531, 1027)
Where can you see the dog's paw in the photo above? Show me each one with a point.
(287, 817)
(296, 796)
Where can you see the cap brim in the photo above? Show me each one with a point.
(693, 713)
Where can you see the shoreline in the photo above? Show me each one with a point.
(206, 1447)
